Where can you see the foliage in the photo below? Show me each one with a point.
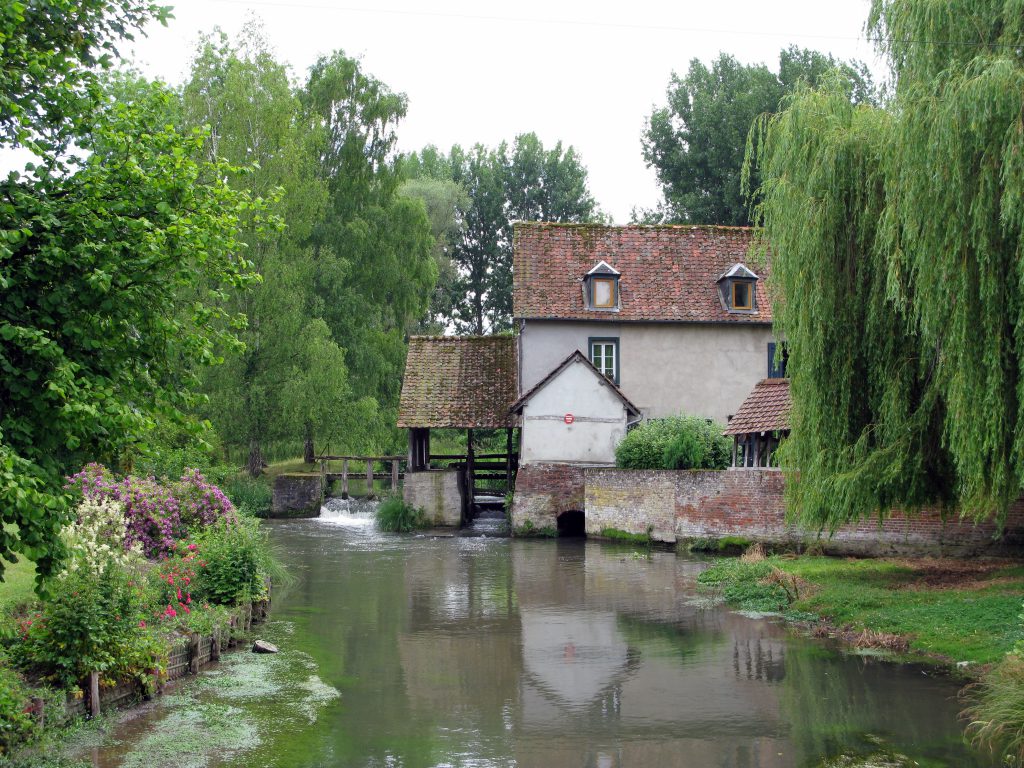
(695, 143)
(97, 248)
(394, 515)
(374, 254)
(157, 515)
(250, 497)
(746, 585)
(94, 622)
(16, 725)
(677, 442)
(616, 534)
(896, 253)
(96, 540)
(235, 562)
(995, 713)
(524, 182)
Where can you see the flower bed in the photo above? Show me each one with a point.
(149, 568)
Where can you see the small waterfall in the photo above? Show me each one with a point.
(349, 513)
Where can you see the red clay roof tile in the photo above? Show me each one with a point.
(465, 382)
(668, 272)
(766, 409)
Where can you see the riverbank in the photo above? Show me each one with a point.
(939, 610)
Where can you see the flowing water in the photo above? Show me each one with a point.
(487, 651)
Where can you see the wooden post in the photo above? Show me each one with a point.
(394, 475)
(193, 653)
(735, 447)
(369, 478)
(94, 694)
(470, 480)
(508, 460)
(344, 478)
(215, 646)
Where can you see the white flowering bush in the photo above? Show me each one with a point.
(96, 540)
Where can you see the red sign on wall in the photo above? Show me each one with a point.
(569, 418)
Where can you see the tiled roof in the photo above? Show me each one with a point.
(576, 356)
(467, 382)
(668, 272)
(765, 409)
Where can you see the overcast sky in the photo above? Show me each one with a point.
(585, 73)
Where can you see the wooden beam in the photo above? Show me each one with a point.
(394, 476)
(369, 478)
(508, 460)
(344, 478)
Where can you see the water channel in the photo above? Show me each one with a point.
(488, 651)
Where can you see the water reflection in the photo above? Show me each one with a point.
(491, 652)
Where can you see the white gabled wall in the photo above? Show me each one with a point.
(599, 419)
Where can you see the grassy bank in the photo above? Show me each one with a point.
(935, 609)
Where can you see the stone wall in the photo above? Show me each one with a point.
(438, 493)
(297, 495)
(543, 492)
(682, 506)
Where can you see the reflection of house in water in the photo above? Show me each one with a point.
(665, 679)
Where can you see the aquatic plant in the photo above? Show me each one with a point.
(394, 515)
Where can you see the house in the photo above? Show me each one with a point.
(589, 432)
(676, 317)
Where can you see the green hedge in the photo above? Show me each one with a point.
(677, 442)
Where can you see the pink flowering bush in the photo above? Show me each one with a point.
(156, 516)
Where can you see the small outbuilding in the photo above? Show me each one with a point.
(760, 424)
(573, 415)
(457, 382)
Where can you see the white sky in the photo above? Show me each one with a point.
(585, 73)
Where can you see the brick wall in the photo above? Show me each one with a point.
(543, 492)
(748, 503)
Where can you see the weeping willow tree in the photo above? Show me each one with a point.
(896, 240)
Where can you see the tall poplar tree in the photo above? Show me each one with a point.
(897, 242)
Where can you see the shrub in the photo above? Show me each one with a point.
(250, 497)
(16, 725)
(232, 563)
(677, 442)
(156, 515)
(94, 622)
(97, 539)
(394, 515)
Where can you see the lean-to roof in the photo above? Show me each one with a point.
(465, 382)
(766, 409)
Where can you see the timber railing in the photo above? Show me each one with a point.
(395, 473)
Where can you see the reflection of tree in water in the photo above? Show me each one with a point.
(755, 660)
(847, 706)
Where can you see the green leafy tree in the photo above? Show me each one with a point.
(523, 183)
(94, 344)
(696, 141)
(375, 267)
(275, 389)
(896, 251)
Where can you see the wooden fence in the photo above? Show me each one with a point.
(369, 473)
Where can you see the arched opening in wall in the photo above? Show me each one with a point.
(571, 524)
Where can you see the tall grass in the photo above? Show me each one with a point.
(996, 712)
(394, 515)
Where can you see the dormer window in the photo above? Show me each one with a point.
(737, 290)
(601, 288)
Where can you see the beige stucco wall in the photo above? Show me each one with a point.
(599, 419)
(665, 368)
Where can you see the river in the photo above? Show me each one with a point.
(402, 651)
